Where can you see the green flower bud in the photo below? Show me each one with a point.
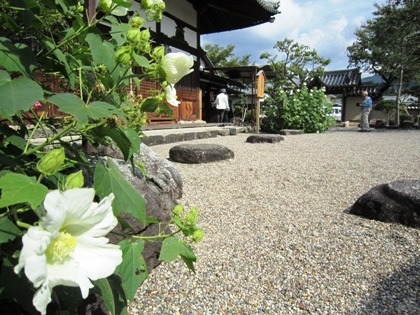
(134, 35)
(158, 53)
(177, 210)
(191, 217)
(51, 162)
(75, 180)
(146, 47)
(136, 22)
(198, 235)
(105, 5)
(145, 35)
(123, 55)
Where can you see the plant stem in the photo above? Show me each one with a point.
(34, 130)
(151, 237)
(49, 141)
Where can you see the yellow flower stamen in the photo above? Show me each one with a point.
(60, 248)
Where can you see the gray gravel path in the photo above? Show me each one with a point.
(277, 238)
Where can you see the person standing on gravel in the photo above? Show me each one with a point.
(365, 108)
(222, 105)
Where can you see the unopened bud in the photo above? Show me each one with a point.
(134, 35)
(158, 52)
(191, 217)
(198, 235)
(75, 180)
(145, 35)
(123, 55)
(136, 22)
(177, 210)
(51, 162)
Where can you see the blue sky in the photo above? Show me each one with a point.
(327, 26)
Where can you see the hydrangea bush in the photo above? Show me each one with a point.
(304, 109)
(53, 227)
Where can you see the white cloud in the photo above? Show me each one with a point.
(327, 26)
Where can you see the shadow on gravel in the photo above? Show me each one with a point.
(397, 294)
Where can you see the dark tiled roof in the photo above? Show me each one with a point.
(341, 78)
(227, 15)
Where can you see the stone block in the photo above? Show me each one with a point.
(153, 140)
(290, 132)
(199, 153)
(264, 138)
(233, 131)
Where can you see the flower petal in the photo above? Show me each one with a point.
(69, 274)
(32, 256)
(176, 66)
(67, 206)
(97, 221)
(41, 298)
(170, 94)
(91, 250)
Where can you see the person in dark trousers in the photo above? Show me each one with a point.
(222, 105)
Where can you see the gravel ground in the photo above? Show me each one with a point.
(278, 240)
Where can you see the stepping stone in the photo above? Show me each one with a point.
(264, 139)
(290, 132)
(200, 153)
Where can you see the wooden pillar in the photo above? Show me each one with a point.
(260, 94)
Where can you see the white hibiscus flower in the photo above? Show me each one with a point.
(170, 95)
(176, 66)
(68, 246)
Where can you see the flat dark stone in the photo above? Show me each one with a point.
(290, 132)
(200, 153)
(264, 139)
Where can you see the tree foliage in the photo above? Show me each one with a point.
(298, 66)
(389, 42)
(222, 56)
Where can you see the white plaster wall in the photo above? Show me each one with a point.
(181, 9)
(353, 111)
(184, 11)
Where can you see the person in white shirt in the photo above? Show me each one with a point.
(222, 105)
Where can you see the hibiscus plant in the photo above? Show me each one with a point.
(54, 222)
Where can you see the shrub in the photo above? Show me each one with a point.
(303, 109)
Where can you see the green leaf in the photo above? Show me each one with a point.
(17, 188)
(113, 295)
(126, 139)
(133, 269)
(150, 104)
(107, 179)
(117, 30)
(102, 51)
(18, 94)
(72, 104)
(19, 58)
(16, 141)
(141, 61)
(172, 247)
(8, 230)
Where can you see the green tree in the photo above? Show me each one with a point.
(222, 56)
(298, 66)
(389, 43)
